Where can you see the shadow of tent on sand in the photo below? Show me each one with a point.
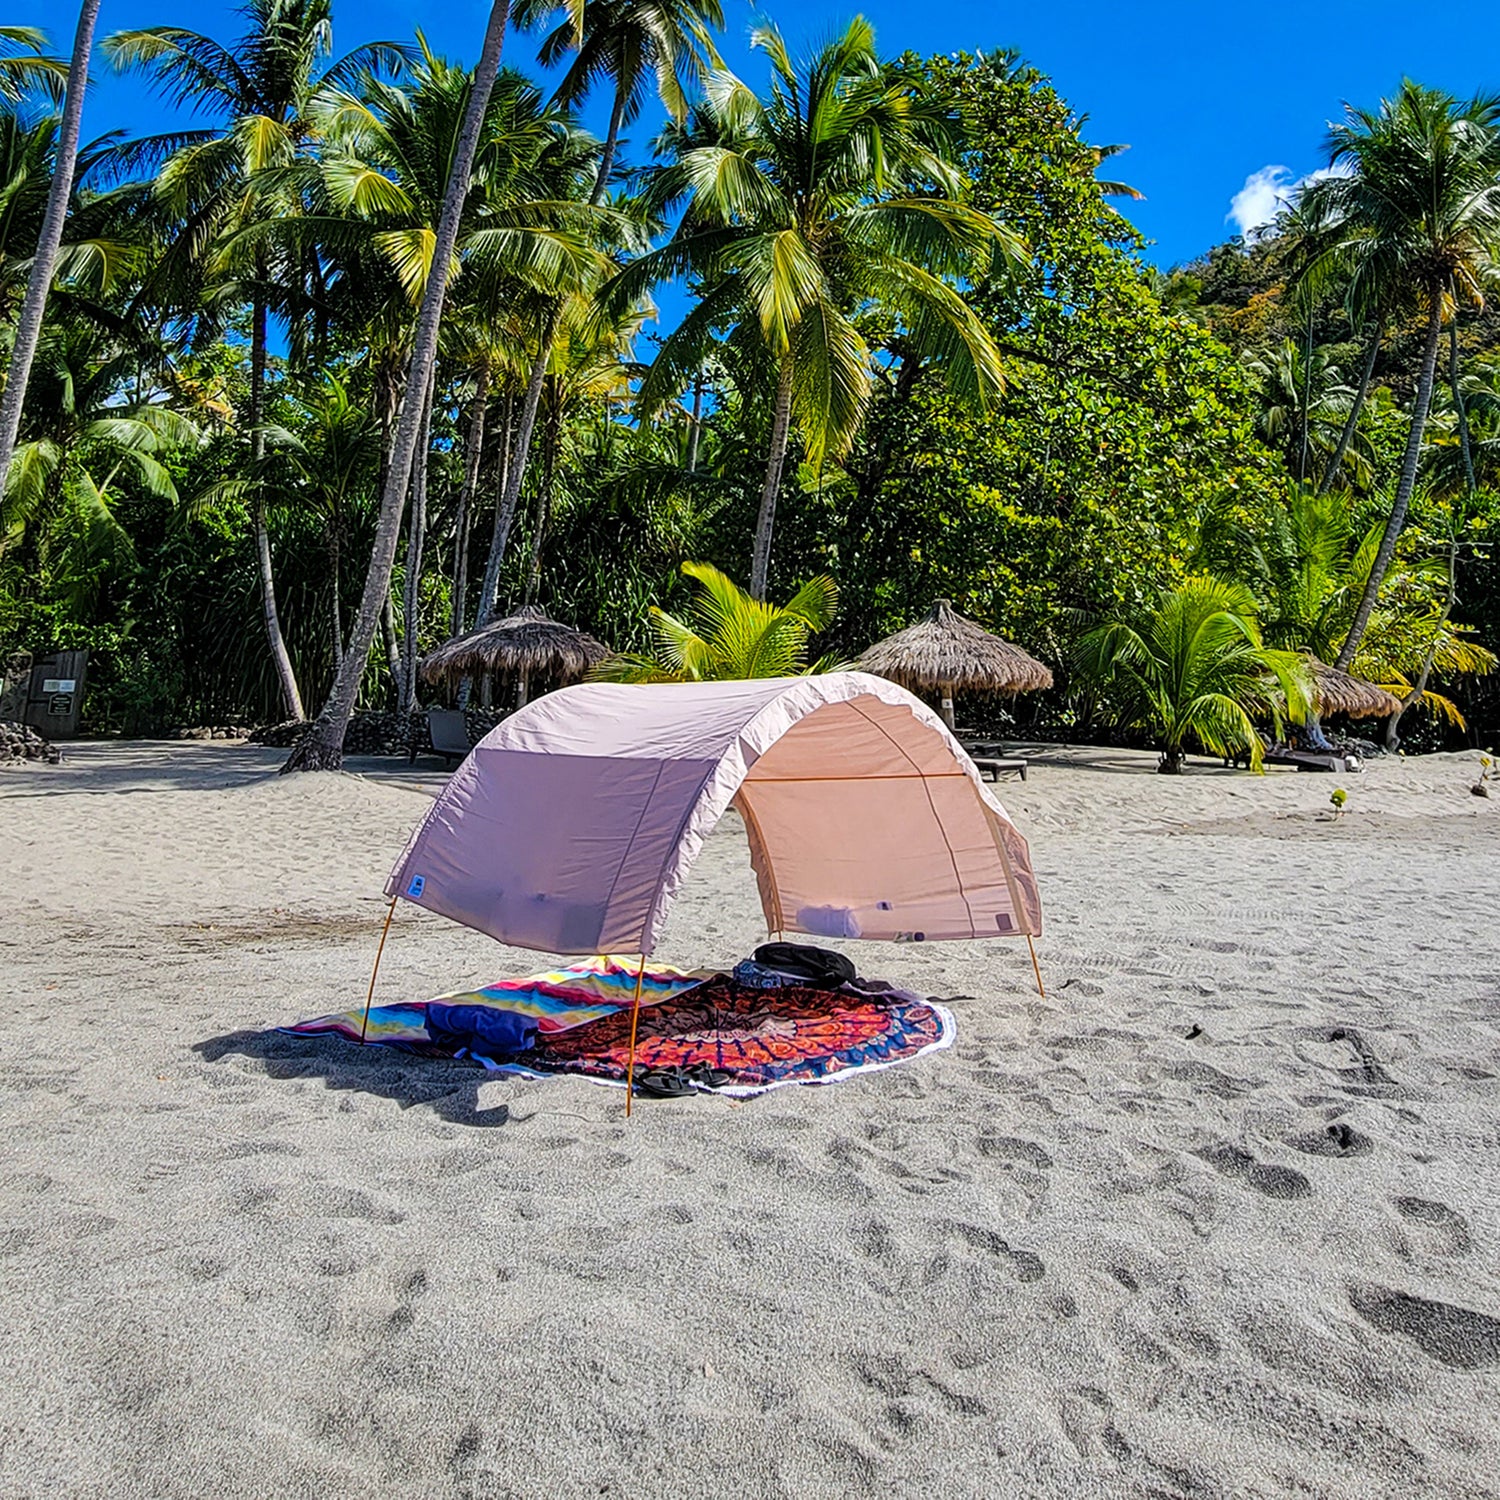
(450, 1088)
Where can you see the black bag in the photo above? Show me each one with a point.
(817, 966)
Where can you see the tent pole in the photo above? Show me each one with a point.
(635, 1017)
(390, 912)
(1036, 968)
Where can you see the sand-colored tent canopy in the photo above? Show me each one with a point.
(945, 653)
(1336, 692)
(572, 825)
(526, 644)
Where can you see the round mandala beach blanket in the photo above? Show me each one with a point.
(764, 1038)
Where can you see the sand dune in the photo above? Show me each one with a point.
(1220, 1216)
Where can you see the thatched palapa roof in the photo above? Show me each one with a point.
(945, 651)
(1336, 692)
(527, 642)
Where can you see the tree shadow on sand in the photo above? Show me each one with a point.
(448, 1087)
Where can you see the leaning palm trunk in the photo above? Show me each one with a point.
(1351, 422)
(1404, 488)
(416, 543)
(473, 452)
(323, 748)
(39, 283)
(291, 698)
(765, 522)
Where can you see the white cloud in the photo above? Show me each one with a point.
(1253, 209)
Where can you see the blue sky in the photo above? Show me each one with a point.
(1218, 102)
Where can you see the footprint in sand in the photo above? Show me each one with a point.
(1452, 1335)
(1344, 1052)
(1272, 1181)
(1023, 1264)
(1336, 1139)
(1440, 1228)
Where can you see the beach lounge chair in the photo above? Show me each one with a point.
(449, 733)
(990, 757)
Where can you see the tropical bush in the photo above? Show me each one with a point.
(1194, 670)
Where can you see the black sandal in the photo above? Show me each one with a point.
(664, 1083)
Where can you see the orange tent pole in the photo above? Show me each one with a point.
(390, 912)
(635, 1019)
(1036, 968)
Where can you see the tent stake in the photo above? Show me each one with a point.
(635, 1017)
(1036, 968)
(390, 912)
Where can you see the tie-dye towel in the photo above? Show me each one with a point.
(555, 1001)
(761, 1039)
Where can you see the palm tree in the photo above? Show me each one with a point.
(836, 192)
(1196, 669)
(730, 634)
(1304, 404)
(323, 747)
(65, 162)
(631, 43)
(24, 66)
(1418, 214)
(80, 440)
(263, 91)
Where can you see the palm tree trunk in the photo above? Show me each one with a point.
(323, 749)
(336, 621)
(392, 646)
(695, 425)
(1404, 488)
(416, 542)
(516, 469)
(760, 557)
(544, 498)
(473, 452)
(1351, 422)
(611, 146)
(39, 283)
(291, 699)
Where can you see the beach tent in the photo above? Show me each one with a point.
(572, 825)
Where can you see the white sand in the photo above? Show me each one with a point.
(1080, 1254)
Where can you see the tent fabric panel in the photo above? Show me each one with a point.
(879, 858)
(564, 853)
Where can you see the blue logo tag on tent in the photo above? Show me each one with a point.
(415, 888)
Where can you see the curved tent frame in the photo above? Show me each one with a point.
(572, 825)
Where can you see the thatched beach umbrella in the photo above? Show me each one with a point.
(1336, 692)
(526, 644)
(944, 652)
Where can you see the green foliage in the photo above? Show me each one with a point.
(1194, 669)
(730, 635)
(914, 313)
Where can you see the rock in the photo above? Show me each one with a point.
(21, 742)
